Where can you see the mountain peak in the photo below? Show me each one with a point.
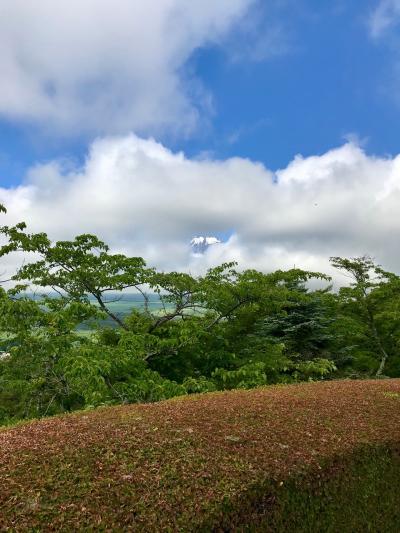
(200, 244)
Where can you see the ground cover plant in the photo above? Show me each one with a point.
(303, 457)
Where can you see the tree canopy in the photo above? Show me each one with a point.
(64, 345)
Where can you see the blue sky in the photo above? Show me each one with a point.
(148, 123)
(328, 84)
(320, 80)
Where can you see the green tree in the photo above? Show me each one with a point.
(304, 325)
(225, 329)
(370, 304)
(76, 269)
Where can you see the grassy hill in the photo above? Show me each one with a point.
(308, 457)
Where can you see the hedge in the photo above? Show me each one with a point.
(309, 457)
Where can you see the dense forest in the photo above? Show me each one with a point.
(224, 330)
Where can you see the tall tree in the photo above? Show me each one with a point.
(371, 295)
(304, 325)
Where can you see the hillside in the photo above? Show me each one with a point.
(299, 458)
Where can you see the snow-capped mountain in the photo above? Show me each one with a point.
(200, 244)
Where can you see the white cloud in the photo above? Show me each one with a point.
(145, 200)
(107, 67)
(384, 16)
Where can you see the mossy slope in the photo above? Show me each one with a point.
(309, 457)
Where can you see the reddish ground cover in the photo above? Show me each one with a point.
(178, 465)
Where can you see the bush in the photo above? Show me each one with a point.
(308, 457)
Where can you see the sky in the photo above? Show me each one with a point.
(270, 124)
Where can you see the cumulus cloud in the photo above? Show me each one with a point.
(107, 66)
(145, 200)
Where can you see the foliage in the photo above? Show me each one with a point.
(225, 329)
(305, 324)
(260, 373)
(369, 308)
